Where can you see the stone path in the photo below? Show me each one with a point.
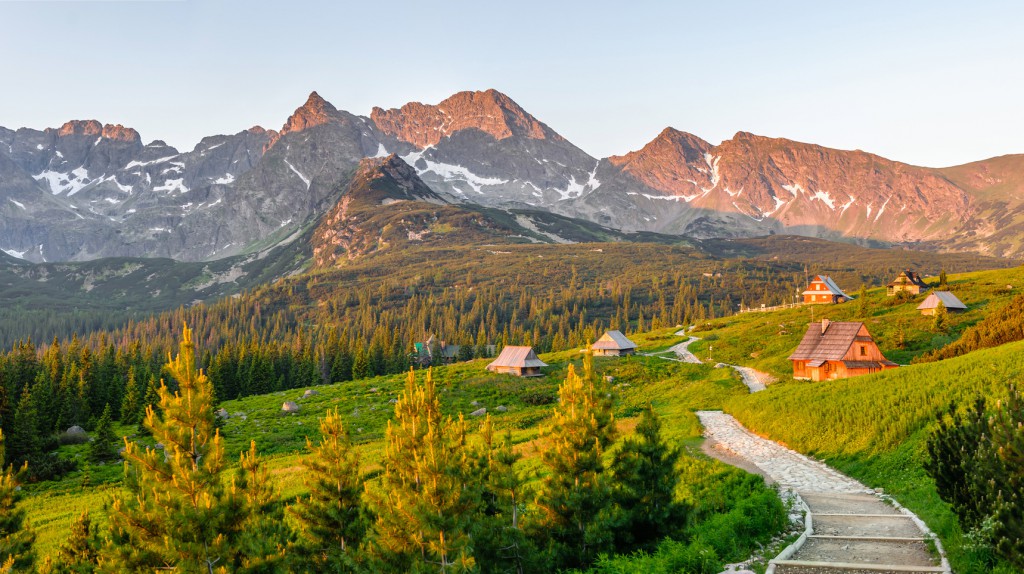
(848, 527)
(683, 352)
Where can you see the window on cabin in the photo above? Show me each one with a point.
(863, 351)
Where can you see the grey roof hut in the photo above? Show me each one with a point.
(613, 344)
(931, 302)
(519, 361)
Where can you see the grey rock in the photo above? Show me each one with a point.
(478, 413)
(290, 407)
(501, 408)
(76, 431)
(223, 413)
(309, 393)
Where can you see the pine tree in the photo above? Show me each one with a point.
(428, 507)
(80, 554)
(24, 440)
(104, 444)
(16, 537)
(942, 278)
(862, 301)
(177, 512)
(575, 498)
(645, 484)
(265, 538)
(333, 515)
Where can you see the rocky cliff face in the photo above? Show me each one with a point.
(87, 190)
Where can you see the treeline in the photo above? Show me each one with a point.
(1004, 325)
(448, 499)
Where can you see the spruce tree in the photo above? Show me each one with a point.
(862, 301)
(333, 515)
(940, 319)
(501, 544)
(104, 444)
(265, 537)
(24, 440)
(575, 498)
(178, 512)
(16, 537)
(645, 484)
(131, 405)
(427, 505)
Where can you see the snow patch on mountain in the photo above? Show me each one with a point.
(304, 179)
(132, 164)
(60, 182)
(172, 186)
(451, 172)
(13, 253)
(824, 197)
(228, 178)
(18, 203)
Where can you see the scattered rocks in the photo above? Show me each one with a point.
(478, 413)
(290, 407)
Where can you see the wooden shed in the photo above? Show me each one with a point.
(906, 282)
(952, 303)
(837, 350)
(823, 290)
(519, 361)
(613, 344)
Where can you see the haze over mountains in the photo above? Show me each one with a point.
(87, 190)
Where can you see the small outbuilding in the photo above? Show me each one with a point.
(931, 302)
(613, 344)
(823, 290)
(837, 350)
(518, 361)
(906, 282)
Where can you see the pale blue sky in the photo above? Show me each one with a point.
(932, 83)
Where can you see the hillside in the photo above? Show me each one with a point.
(765, 340)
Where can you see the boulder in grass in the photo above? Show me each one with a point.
(223, 413)
(474, 404)
(290, 407)
(309, 393)
(74, 435)
(501, 408)
(478, 413)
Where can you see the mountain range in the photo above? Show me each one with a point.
(87, 190)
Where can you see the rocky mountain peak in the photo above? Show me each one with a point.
(489, 111)
(316, 111)
(387, 179)
(94, 128)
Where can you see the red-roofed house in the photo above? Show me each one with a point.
(825, 291)
(837, 350)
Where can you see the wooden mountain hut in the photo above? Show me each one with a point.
(906, 282)
(823, 290)
(837, 350)
(613, 344)
(518, 361)
(931, 302)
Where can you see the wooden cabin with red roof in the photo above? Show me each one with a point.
(837, 350)
(823, 290)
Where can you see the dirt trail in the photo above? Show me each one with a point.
(849, 528)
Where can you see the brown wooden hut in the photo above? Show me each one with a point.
(906, 282)
(823, 290)
(613, 344)
(837, 350)
(519, 361)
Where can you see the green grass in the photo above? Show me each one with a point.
(874, 427)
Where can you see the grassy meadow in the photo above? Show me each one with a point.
(676, 390)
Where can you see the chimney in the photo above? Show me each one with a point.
(824, 325)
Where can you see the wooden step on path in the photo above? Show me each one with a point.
(857, 533)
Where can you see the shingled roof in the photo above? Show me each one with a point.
(830, 284)
(908, 277)
(614, 341)
(512, 356)
(948, 299)
(827, 341)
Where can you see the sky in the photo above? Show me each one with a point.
(930, 83)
